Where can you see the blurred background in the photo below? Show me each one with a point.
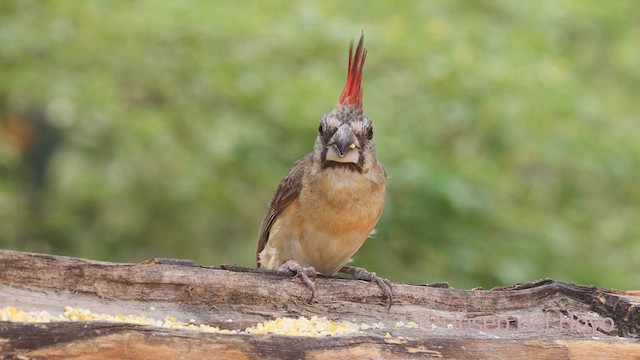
(510, 130)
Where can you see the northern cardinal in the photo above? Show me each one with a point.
(332, 198)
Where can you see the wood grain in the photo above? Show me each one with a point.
(455, 324)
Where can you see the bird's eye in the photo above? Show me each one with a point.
(320, 128)
(370, 133)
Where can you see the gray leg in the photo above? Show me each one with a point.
(363, 274)
(303, 273)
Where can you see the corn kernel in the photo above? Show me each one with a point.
(301, 326)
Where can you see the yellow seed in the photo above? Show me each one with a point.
(301, 326)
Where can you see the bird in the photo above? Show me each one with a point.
(332, 198)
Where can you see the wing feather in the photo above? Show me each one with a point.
(287, 192)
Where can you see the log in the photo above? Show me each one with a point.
(544, 319)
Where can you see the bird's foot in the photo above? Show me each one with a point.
(304, 273)
(363, 274)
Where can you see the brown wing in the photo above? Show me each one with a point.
(287, 191)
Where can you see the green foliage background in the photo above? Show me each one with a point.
(509, 130)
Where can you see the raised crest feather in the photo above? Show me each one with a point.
(352, 93)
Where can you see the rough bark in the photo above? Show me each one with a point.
(573, 321)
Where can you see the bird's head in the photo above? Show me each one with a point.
(345, 135)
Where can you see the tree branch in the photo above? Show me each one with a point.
(541, 319)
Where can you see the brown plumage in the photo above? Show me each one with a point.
(332, 198)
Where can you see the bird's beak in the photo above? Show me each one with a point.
(343, 146)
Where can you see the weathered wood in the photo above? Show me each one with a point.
(573, 321)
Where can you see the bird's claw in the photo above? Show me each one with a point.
(362, 274)
(386, 287)
(304, 273)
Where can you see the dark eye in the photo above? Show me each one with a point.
(320, 128)
(370, 133)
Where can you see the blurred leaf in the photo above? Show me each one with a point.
(508, 129)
